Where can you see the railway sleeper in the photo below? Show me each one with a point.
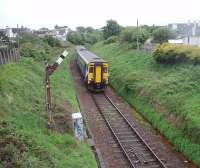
(139, 150)
(130, 140)
(118, 122)
(149, 166)
(124, 133)
(127, 136)
(143, 160)
(121, 130)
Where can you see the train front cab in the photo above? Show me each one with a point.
(97, 75)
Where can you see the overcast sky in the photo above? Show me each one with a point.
(46, 13)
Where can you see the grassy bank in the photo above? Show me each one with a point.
(24, 140)
(167, 95)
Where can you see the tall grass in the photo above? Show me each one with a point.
(167, 95)
(24, 138)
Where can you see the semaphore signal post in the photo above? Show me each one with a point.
(49, 70)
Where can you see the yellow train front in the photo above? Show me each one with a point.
(94, 69)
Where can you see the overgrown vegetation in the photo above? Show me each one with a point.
(87, 36)
(112, 39)
(167, 95)
(39, 49)
(130, 35)
(163, 34)
(52, 41)
(24, 139)
(112, 28)
(173, 53)
(113, 32)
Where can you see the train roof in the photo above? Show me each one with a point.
(87, 55)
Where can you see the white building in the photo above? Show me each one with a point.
(10, 33)
(60, 32)
(192, 40)
(176, 41)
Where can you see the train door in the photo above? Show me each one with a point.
(98, 74)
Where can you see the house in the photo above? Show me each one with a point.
(60, 32)
(192, 40)
(9, 32)
(186, 29)
(42, 32)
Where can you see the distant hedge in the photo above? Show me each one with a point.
(175, 53)
(112, 39)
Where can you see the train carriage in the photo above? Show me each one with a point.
(93, 69)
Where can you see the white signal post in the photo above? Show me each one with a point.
(61, 58)
(49, 69)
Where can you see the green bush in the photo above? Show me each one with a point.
(84, 36)
(53, 42)
(111, 39)
(130, 34)
(163, 34)
(75, 38)
(29, 50)
(28, 37)
(173, 53)
(93, 37)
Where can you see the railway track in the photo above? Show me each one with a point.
(134, 147)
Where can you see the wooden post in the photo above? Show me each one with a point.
(18, 53)
(48, 100)
(49, 69)
(14, 56)
(10, 55)
(1, 58)
(7, 54)
(4, 58)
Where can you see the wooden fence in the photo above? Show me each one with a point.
(9, 55)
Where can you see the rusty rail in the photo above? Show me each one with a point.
(114, 124)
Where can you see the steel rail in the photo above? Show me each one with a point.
(111, 129)
(135, 131)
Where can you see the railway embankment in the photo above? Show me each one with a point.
(166, 95)
(24, 139)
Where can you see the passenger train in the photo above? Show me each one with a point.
(93, 69)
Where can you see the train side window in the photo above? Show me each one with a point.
(105, 69)
(91, 70)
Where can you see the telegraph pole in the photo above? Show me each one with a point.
(49, 69)
(137, 36)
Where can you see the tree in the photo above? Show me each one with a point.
(130, 34)
(163, 34)
(84, 35)
(75, 38)
(150, 29)
(112, 28)
(89, 29)
(80, 29)
(53, 42)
